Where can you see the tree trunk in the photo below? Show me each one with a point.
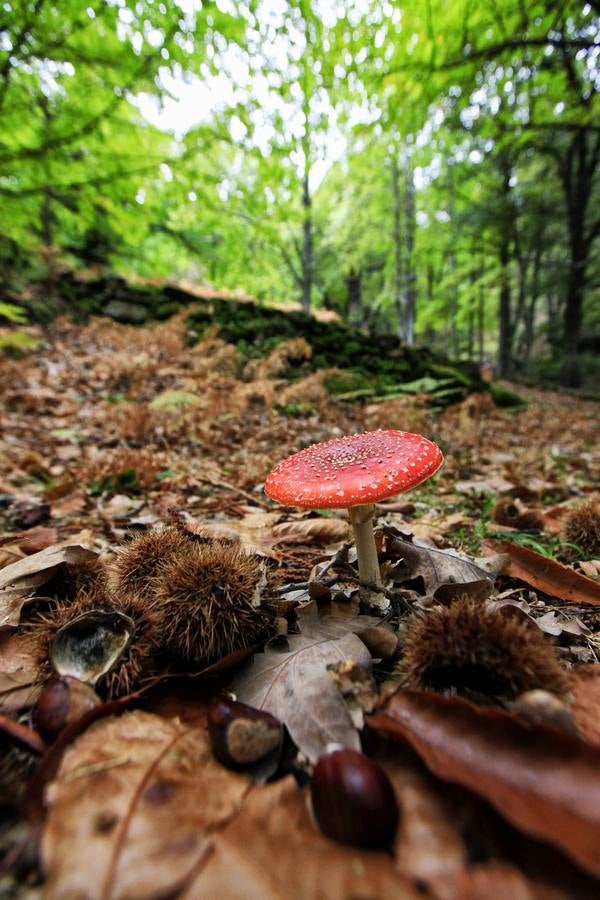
(454, 348)
(577, 170)
(307, 245)
(505, 338)
(399, 297)
(354, 293)
(409, 272)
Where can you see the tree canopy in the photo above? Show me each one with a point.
(427, 169)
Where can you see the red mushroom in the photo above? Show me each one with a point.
(355, 472)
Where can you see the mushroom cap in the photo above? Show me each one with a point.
(355, 470)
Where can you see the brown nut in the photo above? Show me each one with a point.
(61, 702)
(353, 800)
(241, 735)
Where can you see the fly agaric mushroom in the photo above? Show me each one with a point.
(355, 472)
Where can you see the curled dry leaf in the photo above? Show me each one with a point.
(440, 567)
(327, 530)
(132, 809)
(293, 685)
(585, 688)
(428, 848)
(272, 851)
(19, 671)
(544, 782)
(545, 574)
(19, 581)
(496, 879)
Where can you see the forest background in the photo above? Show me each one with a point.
(425, 169)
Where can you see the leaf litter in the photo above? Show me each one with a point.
(123, 455)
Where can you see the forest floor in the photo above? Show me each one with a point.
(110, 431)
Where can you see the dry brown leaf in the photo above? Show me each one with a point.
(35, 539)
(585, 688)
(440, 567)
(132, 809)
(19, 580)
(495, 484)
(544, 782)
(293, 683)
(544, 574)
(19, 671)
(328, 530)
(499, 880)
(272, 851)
(428, 848)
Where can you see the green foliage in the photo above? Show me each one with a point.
(352, 158)
(16, 343)
(13, 313)
(174, 400)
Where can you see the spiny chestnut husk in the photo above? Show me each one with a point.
(108, 641)
(469, 647)
(582, 526)
(209, 603)
(62, 702)
(140, 562)
(353, 800)
(241, 735)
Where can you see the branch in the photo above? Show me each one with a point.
(91, 124)
(497, 49)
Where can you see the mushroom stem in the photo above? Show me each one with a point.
(361, 518)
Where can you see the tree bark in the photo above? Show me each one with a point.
(307, 245)
(399, 297)
(505, 338)
(409, 272)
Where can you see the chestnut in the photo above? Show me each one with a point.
(353, 800)
(61, 702)
(241, 735)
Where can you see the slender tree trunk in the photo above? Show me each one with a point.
(399, 297)
(409, 272)
(577, 170)
(505, 338)
(307, 245)
(481, 322)
(530, 309)
(354, 294)
(454, 348)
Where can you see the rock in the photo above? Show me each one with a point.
(123, 311)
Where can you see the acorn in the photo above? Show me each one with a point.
(62, 702)
(353, 800)
(241, 735)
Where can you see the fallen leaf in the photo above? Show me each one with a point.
(35, 539)
(19, 580)
(589, 567)
(585, 688)
(428, 848)
(293, 683)
(272, 851)
(328, 530)
(19, 671)
(544, 782)
(544, 574)
(437, 567)
(498, 879)
(492, 485)
(132, 809)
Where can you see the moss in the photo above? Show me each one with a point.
(506, 399)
